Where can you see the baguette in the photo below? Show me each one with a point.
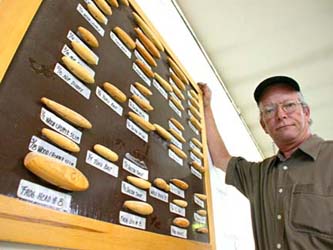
(179, 137)
(56, 172)
(196, 142)
(78, 70)
(177, 103)
(147, 71)
(195, 112)
(147, 43)
(162, 132)
(196, 123)
(123, 36)
(197, 153)
(88, 37)
(125, 2)
(106, 152)
(115, 92)
(178, 92)
(60, 140)
(198, 167)
(146, 55)
(67, 113)
(147, 126)
(195, 103)
(114, 3)
(194, 94)
(84, 53)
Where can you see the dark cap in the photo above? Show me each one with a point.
(272, 81)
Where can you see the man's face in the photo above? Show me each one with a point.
(283, 117)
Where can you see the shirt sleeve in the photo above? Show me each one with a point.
(243, 175)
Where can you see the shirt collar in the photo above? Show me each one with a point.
(311, 147)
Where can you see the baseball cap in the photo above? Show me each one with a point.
(272, 81)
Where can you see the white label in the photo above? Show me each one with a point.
(175, 157)
(175, 96)
(134, 169)
(196, 173)
(160, 89)
(101, 164)
(135, 91)
(136, 130)
(172, 82)
(159, 194)
(199, 202)
(86, 15)
(193, 128)
(120, 45)
(189, 94)
(138, 110)
(176, 142)
(193, 146)
(73, 37)
(38, 145)
(71, 80)
(174, 108)
(44, 196)
(102, 95)
(141, 74)
(132, 220)
(177, 191)
(200, 219)
(195, 158)
(70, 53)
(178, 232)
(133, 191)
(140, 57)
(177, 210)
(171, 125)
(60, 125)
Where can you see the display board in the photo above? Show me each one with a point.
(122, 155)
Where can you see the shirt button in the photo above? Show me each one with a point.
(278, 246)
(279, 217)
(280, 190)
(285, 167)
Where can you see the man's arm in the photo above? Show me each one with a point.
(218, 151)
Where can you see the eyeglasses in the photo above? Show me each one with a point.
(288, 107)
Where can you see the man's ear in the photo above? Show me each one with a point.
(307, 112)
(263, 125)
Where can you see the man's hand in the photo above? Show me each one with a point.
(206, 92)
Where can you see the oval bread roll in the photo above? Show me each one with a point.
(179, 183)
(149, 45)
(178, 151)
(162, 184)
(60, 140)
(147, 126)
(106, 152)
(84, 53)
(142, 103)
(115, 92)
(78, 70)
(202, 212)
(147, 71)
(102, 4)
(202, 230)
(67, 113)
(201, 196)
(123, 36)
(163, 82)
(146, 55)
(162, 132)
(180, 203)
(177, 124)
(95, 12)
(56, 172)
(139, 207)
(144, 90)
(138, 182)
(88, 37)
(181, 222)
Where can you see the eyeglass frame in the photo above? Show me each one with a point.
(284, 107)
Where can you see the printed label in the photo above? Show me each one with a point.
(136, 130)
(71, 80)
(178, 232)
(71, 54)
(101, 164)
(134, 169)
(177, 191)
(199, 202)
(133, 106)
(171, 125)
(141, 74)
(86, 15)
(176, 142)
(196, 173)
(73, 37)
(159, 194)
(140, 57)
(174, 108)
(193, 128)
(132, 220)
(175, 157)
(44, 196)
(200, 219)
(177, 210)
(135, 91)
(60, 125)
(195, 158)
(120, 45)
(102, 95)
(40, 146)
(129, 189)
(189, 94)
(160, 89)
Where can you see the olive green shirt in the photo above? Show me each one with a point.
(291, 200)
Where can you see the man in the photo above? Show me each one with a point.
(291, 193)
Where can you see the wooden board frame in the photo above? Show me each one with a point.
(24, 222)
